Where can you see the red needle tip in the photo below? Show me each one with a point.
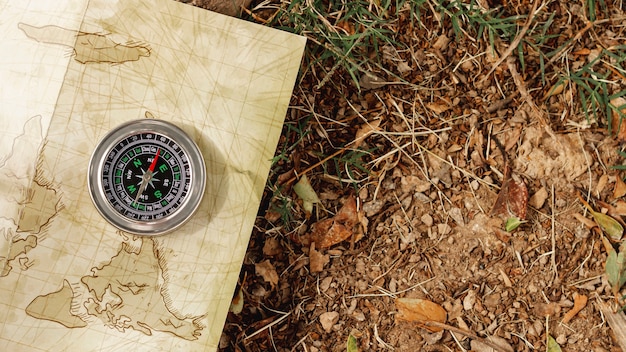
(154, 161)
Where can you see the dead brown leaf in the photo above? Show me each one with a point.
(267, 271)
(617, 125)
(317, 260)
(620, 208)
(364, 131)
(585, 221)
(438, 108)
(272, 216)
(272, 247)
(329, 232)
(580, 301)
(620, 187)
(512, 199)
(420, 310)
(556, 89)
(441, 42)
(582, 52)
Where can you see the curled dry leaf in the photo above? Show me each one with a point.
(317, 260)
(618, 125)
(438, 107)
(272, 247)
(610, 226)
(267, 271)
(556, 89)
(328, 232)
(512, 200)
(478, 346)
(364, 131)
(441, 42)
(620, 186)
(420, 311)
(371, 81)
(580, 301)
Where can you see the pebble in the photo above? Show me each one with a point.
(539, 198)
(328, 319)
(443, 229)
(457, 216)
(427, 220)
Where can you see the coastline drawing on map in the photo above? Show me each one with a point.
(87, 47)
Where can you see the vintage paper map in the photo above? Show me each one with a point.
(71, 70)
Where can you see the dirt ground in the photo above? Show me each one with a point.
(409, 194)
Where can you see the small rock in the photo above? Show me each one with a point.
(443, 175)
(443, 229)
(492, 300)
(360, 266)
(358, 316)
(421, 197)
(373, 207)
(328, 319)
(457, 216)
(325, 284)
(539, 198)
(411, 182)
(427, 220)
(478, 346)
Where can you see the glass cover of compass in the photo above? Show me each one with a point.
(147, 177)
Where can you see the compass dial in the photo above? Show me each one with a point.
(146, 177)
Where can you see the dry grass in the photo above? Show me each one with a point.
(401, 103)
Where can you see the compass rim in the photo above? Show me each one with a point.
(185, 209)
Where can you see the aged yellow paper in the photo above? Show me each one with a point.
(72, 71)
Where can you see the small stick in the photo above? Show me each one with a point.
(515, 41)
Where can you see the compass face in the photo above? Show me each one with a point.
(146, 177)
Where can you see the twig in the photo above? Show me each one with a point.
(521, 87)
(268, 326)
(565, 47)
(502, 103)
(553, 255)
(515, 41)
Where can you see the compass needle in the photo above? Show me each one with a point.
(153, 205)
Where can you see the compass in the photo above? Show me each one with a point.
(146, 177)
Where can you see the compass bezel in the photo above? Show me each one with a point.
(184, 210)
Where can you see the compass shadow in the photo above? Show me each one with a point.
(217, 177)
